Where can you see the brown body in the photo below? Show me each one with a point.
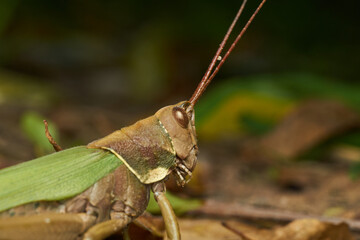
(149, 154)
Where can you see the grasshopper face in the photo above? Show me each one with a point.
(179, 122)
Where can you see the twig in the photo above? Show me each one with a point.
(50, 138)
(220, 209)
(236, 231)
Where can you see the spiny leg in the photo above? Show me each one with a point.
(171, 224)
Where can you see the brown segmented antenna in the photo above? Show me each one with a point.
(210, 74)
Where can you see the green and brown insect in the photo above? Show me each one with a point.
(93, 191)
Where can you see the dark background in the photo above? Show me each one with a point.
(154, 52)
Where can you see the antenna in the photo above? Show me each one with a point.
(211, 72)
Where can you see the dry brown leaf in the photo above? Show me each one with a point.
(205, 229)
(312, 122)
(302, 229)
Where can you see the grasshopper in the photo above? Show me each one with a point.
(90, 192)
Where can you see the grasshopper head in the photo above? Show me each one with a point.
(179, 119)
(179, 122)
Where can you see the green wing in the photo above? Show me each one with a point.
(54, 177)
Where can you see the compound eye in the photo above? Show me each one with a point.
(180, 116)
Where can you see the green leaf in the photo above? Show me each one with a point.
(254, 125)
(265, 97)
(180, 205)
(54, 177)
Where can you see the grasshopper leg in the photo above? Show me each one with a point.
(105, 229)
(57, 226)
(171, 223)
